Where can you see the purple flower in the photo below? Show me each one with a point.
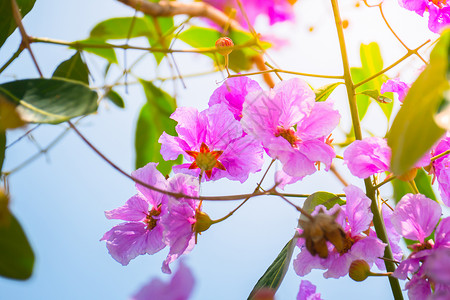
(179, 288)
(397, 86)
(372, 155)
(143, 233)
(355, 218)
(367, 157)
(214, 143)
(292, 126)
(308, 291)
(441, 168)
(179, 233)
(439, 11)
(232, 93)
(415, 217)
(276, 10)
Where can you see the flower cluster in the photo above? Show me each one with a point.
(439, 12)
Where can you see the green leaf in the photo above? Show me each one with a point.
(16, 255)
(200, 37)
(154, 119)
(115, 98)
(414, 130)
(2, 149)
(119, 29)
(375, 94)
(74, 68)
(7, 22)
(50, 100)
(423, 183)
(274, 275)
(321, 198)
(107, 53)
(371, 62)
(325, 91)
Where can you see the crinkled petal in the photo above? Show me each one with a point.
(150, 175)
(357, 210)
(397, 86)
(282, 179)
(128, 240)
(442, 234)
(307, 291)
(135, 209)
(439, 18)
(191, 126)
(172, 147)
(409, 265)
(232, 93)
(317, 150)
(368, 249)
(437, 266)
(296, 164)
(222, 127)
(418, 288)
(320, 122)
(416, 216)
(367, 157)
(418, 6)
(305, 262)
(339, 266)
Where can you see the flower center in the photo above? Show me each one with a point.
(427, 245)
(206, 160)
(151, 222)
(348, 243)
(439, 3)
(289, 135)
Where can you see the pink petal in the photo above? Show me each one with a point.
(150, 175)
(442, 234)
(357, 210)
(321, 120)
(135, 209)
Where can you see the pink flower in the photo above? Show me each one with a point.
(308, 291)
(439, 11)
(179, 288)
(276, 10)
(415, 217)
(232, 93)
(214, 143)
(292, 126)
(441, 169)
(143, 233)
(179, 233)
(355, 218)
(372, 155)
(397, 86)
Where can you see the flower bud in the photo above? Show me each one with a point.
(359, 270)
(408, 176)
(264, 294)
(224, 45)
(202, 222)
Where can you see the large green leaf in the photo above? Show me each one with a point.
(414, 130)
(2, 149)
(50, 100)
(154, 119)
(105, 51)
(16, 255)
(7, 22)
(371, 62)
(74, 68)
(119, 28)
(200, 37)
(423, 183)
(274, 275)
(325, 91)
(321, 198)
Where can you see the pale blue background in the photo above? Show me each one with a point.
(60, 198)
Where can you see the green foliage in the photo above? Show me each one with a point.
(423, 183)
(2, 149)
(325, 91)
(50, 100)
(321, 198)
(154, 119)
(274, 275)
(7, 22)
(74, 68)
(115, 98)
(200, 37)
(414, 130)
(16, 255)
(107, 53)
(371, 62)
(375, 94)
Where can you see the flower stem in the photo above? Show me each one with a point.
(440, 155)
(414, 187)
(370, 191)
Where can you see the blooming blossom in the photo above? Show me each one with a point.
(415, 218)
(233, 92)
(143, 231)
(292, 126)
(307, 291)
(439, 11)
(355, 218)
(180, 287)
(275, 10)
(213, 142)
(372, 155)
(397, 86)
(441, 168)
